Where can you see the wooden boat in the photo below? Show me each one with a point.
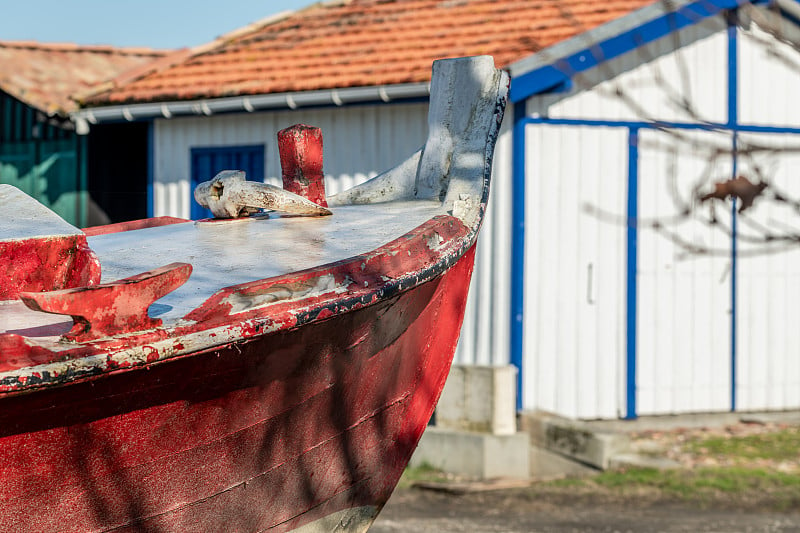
(275, 375)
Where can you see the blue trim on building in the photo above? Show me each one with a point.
(733, 120)
(707, 126)
(518, 245)
(151, 152)
(554, 76)
(632, 299)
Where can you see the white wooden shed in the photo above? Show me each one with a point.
(598, 274)
(628, 299)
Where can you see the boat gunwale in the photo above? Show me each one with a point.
(93, 359)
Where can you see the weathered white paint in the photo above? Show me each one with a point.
(359, 143)
(574, 334)
(17, 318)
(463, 126)
(352, 520)
(222, 252)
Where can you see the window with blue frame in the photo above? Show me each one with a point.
(206, 162)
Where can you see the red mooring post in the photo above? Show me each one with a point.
(300, 149)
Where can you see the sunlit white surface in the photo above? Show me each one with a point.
(231, 252)
(25, 218)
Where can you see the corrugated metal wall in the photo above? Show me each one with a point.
(769, 80)
(486, 330)
(575, 298)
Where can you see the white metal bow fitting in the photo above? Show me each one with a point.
(230, 195)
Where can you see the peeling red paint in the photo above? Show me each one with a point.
(151, 354)
(46, 264)
(325, 313)
(111, 308)
(18, 352)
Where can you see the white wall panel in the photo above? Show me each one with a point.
(574, 270)
(654, 81)
(769, 80)
(684, 295)
(768, 355)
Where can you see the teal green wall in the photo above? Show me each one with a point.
(45, 161)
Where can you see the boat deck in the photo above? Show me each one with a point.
(222, 254)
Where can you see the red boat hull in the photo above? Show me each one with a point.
(278, 432)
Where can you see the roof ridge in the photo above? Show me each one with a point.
(81, 48)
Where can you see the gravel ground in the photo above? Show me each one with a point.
(544, 509)
(417, 511)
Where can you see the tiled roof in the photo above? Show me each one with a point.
(45, 76)
(352, 43)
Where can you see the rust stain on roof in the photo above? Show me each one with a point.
(352, 43)
(46, 76)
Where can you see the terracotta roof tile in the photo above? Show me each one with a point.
(353, 43)
(45, 76)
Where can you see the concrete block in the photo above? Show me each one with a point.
(474, 455)
(574, 439)
(550, 465)
(479, 399)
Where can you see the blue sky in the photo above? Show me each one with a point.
(150, 23)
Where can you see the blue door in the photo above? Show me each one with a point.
(208, 161)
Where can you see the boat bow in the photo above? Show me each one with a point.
(257, 373)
